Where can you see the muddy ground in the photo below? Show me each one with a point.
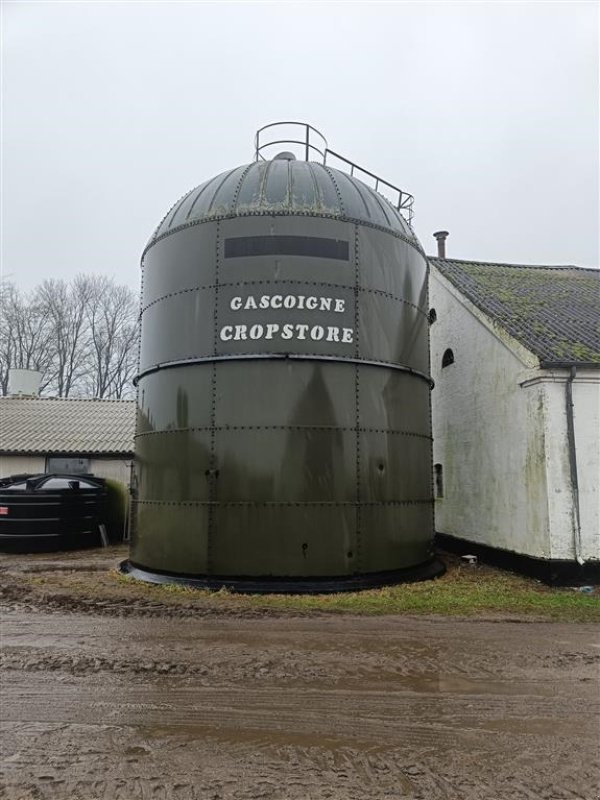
(125, 698)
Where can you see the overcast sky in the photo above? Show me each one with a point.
(486, 112)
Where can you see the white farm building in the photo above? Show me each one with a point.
(515, 355)
(51, 434)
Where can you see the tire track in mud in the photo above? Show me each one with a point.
(176, 767)
(320, 743)
(24, 598)
(442, 659)
(287, 667)
(372, 716)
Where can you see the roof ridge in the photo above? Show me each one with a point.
(66, 399)
(518, 266)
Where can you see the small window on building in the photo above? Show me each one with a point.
(447, 358)
(438, 473)
(68, 466)
(432, 316)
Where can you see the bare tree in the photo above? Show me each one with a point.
(81, 335)
(65, 306)
(112, 312)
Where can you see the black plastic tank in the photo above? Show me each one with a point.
(53, 508)
(283, 439)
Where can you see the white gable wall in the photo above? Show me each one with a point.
(489, 432)
(501, 436)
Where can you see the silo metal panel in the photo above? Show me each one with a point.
(250, 193)
(171, 537)
(328, 197)
(394, 467)
(304, 188)
(208, 198)
(181, 262)
(395, 267)
(179, 399)
(294, 268)
(398, 534)
(373, 207)
(223, 201)
(393, 332)
(294, 465)
(399, 223)
(352, 203)
(169, 220)
(178, 327)
(392, 400)
(286, 394)
(186, 208)
(276, 190)
(284, 330)
(284, 540)
(172, 466)
(143, 422)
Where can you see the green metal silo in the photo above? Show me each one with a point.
(284, 437)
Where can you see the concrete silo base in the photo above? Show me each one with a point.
(292, 585)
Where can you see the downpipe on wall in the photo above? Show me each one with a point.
(573, 465)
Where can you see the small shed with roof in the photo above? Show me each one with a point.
(49, 434)
(515, 355)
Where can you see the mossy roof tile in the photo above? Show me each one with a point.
(553, 311)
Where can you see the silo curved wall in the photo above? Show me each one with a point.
(271, 451)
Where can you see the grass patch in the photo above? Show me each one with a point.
(90, 577)
(462, 591)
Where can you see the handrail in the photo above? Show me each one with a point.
(305, 142)
(404, 202)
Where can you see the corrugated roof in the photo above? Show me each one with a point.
(56, 425)
(553, 311)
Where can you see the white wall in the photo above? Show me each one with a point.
(489, 432)
(586, 399)
(118, 469)
(14, 465)
(563, 518)
(500, 432)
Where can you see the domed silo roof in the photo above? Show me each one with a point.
(285, 186)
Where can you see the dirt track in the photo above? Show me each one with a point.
(215, 707)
